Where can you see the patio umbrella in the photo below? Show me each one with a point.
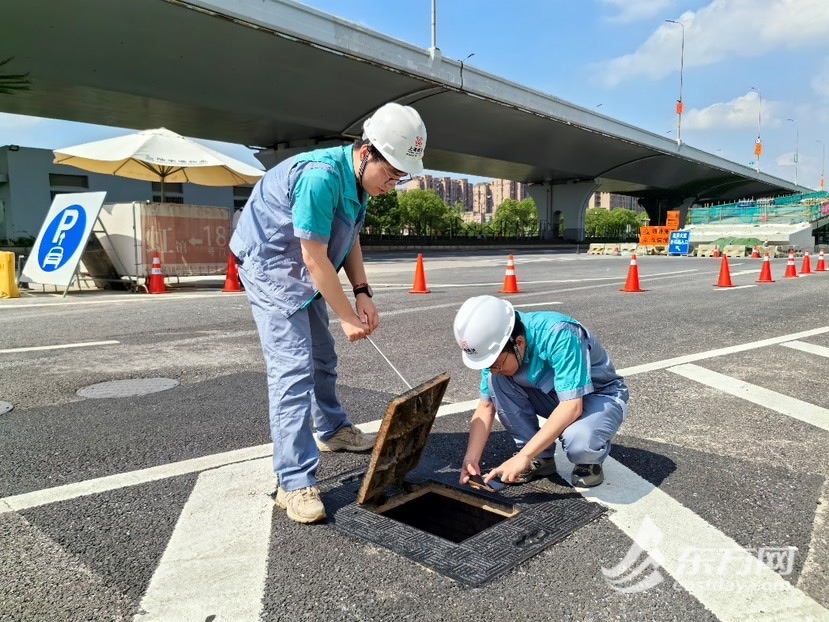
(159, 155)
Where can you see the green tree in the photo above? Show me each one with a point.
(422, 212)
(516, 218)
(383, 214)
(10, 82)
(602, 223)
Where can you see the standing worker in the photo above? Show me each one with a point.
(541, 364)
(299, 227)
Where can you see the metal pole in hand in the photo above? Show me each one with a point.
(388, 361)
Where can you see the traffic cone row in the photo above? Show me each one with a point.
(791, 271)
(632, 283)
(156, 284)
(765, 272)
(806, 268)
(232, 283)
(510, 280)
(725, 274)
(419, 286)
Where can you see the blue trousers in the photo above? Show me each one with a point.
(302, 373)
(585, 441)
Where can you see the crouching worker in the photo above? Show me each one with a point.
(299, 227)
(541, 364)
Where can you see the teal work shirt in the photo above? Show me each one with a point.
(563, 357)
(312, 196)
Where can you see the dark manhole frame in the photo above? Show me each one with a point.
(544, 518)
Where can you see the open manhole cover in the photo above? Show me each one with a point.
(5, 407)
(127, 388)
(416, 508)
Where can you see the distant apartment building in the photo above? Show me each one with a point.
(607, 200)
(479, 200)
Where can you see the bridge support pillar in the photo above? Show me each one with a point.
(557, 201)
(657, 208)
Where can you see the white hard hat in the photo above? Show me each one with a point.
(398, 133)
(483, 326)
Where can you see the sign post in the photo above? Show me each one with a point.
(62, 239)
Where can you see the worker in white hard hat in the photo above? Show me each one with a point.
(540, 364)
(300, 226)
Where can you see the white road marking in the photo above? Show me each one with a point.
(699, 356)
(762, 595)
(537, 304)
(807, 347)
(735, 287)
(783, 404)
(37, 498)
(62, 346)
(175, 295)
(217, 559)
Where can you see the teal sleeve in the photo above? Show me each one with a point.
(485, 396)
(314, 201)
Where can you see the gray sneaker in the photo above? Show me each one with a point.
(303, 505)
(540, 467)
(349, 438)
(587, 475)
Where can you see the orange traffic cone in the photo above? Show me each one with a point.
(765, 273)
(156, 284)
(725, 274)
(806, 268)
(616, 252)
(791, 271)
(716, 253)
(632, 283)
(510, 282)
(755, 254)
(232, 283)
(419, 286)
(821, 264)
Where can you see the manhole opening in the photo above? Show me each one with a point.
(445, 513)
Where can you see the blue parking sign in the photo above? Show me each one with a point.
(62, 238)
(679, 242)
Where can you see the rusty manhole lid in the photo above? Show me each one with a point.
(127, 388)
(402, 437)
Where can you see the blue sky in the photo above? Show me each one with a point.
(619, 58)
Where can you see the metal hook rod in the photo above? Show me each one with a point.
(371, 341)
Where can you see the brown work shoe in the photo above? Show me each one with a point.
(303, 505)
(349, 438)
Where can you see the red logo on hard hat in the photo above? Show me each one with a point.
(465, 347)
(416, 150)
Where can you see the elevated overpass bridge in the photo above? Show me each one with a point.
(283, 77)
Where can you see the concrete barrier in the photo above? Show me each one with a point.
(734, 250)
(706, 250)
(596, 249)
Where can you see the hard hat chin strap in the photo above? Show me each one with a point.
(517, 351)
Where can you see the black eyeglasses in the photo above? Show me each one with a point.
(495, 368)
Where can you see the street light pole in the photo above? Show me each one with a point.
(796, 147)
(822, 163)
(462, 62)
(758, 146)
(679, 105)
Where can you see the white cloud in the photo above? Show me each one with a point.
(738, 113)
(820, 83)
(723, 29)
(634, 10)
(18, 121)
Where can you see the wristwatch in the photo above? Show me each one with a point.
(363, 288)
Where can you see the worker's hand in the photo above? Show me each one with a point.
(355, 329)
(368, 312)
(509, 471)
(470, 467)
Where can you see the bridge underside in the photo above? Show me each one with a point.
(150, 63)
